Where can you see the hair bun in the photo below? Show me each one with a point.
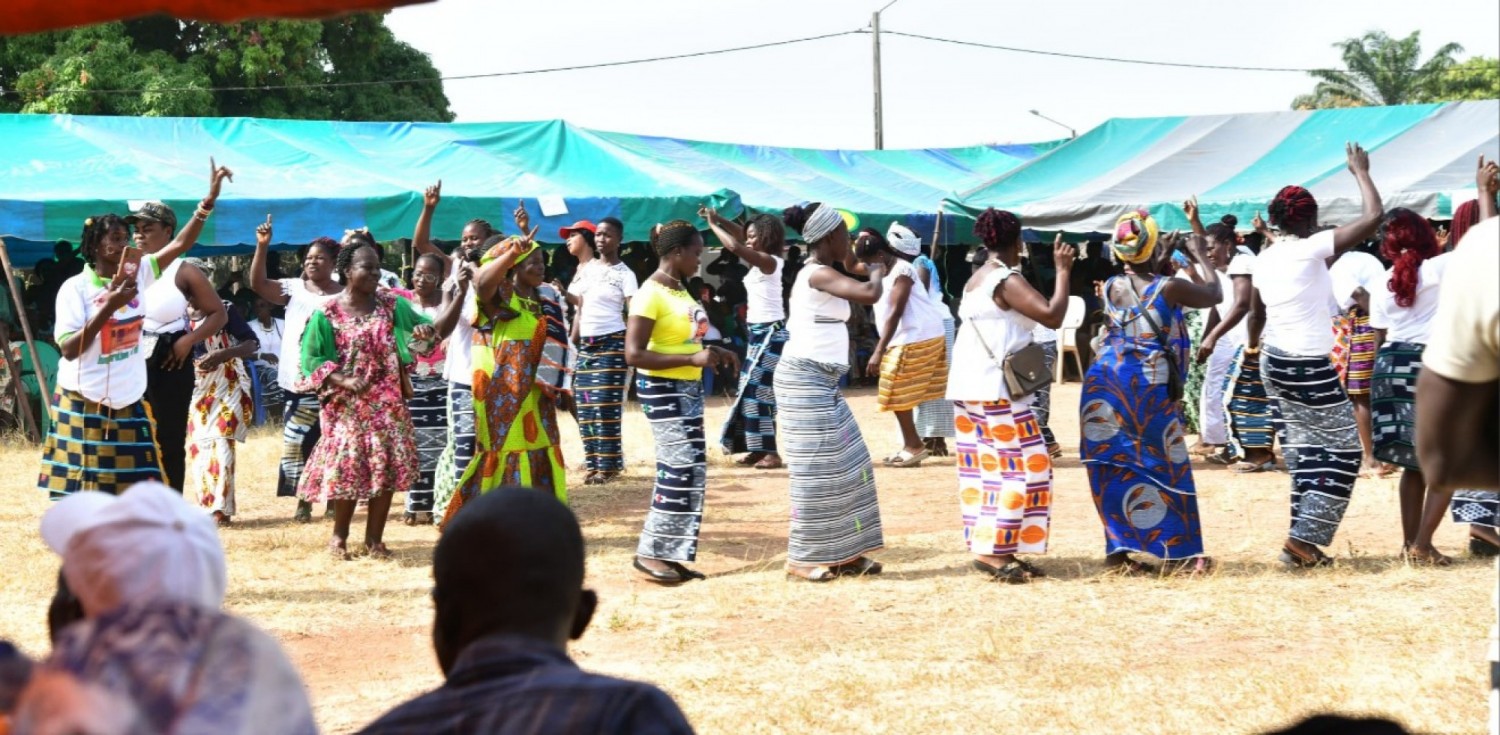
(1229, 220)
(796, 216)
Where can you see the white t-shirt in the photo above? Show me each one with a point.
(165, 307)
(300, 305)
(269, 337)
(459, 367)
(921, 321)
(1355, 270)
(1465, 340)
(112, 371)
(604, 290)
(1408, 323)
(1298, 294)
(817, 326)
(763, 294)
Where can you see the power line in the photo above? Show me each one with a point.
(460, 77)
(1145, 62)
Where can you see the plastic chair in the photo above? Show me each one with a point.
(1067, 337)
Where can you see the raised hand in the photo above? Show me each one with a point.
(1488, 176)
(522, 217)
(432, 195)
(263, 233)
(1190, 208)
(1062, 254)
(1359, 160)
(216, 176)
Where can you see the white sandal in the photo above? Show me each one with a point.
(907, 459)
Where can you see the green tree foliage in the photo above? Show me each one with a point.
(1380, 70)
(270, 68)
(1475, 79)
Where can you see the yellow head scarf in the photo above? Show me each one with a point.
(1135, 237)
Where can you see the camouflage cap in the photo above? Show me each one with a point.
(153, 212)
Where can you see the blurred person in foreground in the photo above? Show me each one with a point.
(152, 652)
(508, 592)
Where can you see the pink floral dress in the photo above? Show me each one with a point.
(368, 446)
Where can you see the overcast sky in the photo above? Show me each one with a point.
(818, 94)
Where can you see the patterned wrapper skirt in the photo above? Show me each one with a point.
(1252, 413)
(835, 512)
(429, 418)
(299, 435)
(1354, 351)
(1041, 400)
(1393, 403)
(674, 409)
(1319, 439)
(1478, 507)
(911, 374)
(1004, 478)
(460, 448)
(751, 426)
(1192, 390)
(94, 447)
(599, 390)
(269, 397)
(934, 418)
(218, 419)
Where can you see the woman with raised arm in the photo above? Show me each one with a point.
(835, 511)
(1292, 312)
(301, 296)
(1220, 342)
(166, 337)
(103, 436)
(429, 399)
(1249, 409)
(353, 353)
(1131, 417)
(470, 242)
(1004, 467)
(751, 426)
(519, 380)
(604, 286)
(664, 343)
(1401, 313)
(911, 357)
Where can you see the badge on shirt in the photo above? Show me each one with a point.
(120, 339)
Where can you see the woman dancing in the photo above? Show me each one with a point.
(220, 413)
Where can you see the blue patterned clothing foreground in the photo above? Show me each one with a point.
(751, 426)
(599, 390)
(675, 410)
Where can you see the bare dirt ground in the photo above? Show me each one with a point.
(928, 647)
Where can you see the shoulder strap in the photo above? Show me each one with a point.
(1156, 330)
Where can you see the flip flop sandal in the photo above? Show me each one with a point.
(906, 459)
(1480, 547)
(1012, 572)
(750, 459)
(1131, 568)
(1224, 459)
(1436, 560)
(592, 479)
(1054, 450)
(1250, 468)
(770, 462)
(863, 566)
(1295, 560)
(812, 574)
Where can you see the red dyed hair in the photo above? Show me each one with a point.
(1293, 205)
(1406, 239)
(1464, 217)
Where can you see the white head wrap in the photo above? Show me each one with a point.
(823, 220)
(145, 545)
(903, 240)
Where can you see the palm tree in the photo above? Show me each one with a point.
(1380, 70)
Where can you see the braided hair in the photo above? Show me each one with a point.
(771, 231)
(483, 226)
(1406, 239)
(1293, 210)
(328, 244)
(364, 236)
(997, 228)
(345, 259)
(672, 236)
(95, 229)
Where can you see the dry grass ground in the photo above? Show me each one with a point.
(929, 647)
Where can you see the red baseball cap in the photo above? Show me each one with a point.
(582, 224)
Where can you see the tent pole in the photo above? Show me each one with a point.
(23, 403)
(36, 360)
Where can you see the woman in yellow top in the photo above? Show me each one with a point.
(664, 343)
(518, 381)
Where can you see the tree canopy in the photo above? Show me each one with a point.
(162, 66)
(1381, 70)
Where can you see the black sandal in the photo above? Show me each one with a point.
(671, 577)
(1295, 560)
(1131, 568)
(686, 573)
(1481, 547)
(1014, 571)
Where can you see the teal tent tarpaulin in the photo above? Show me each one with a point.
(1421, 157)
(320, 178)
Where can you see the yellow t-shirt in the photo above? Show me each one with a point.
(679, 329)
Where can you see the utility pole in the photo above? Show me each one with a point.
(879, 112)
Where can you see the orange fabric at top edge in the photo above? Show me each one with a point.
(31, 16)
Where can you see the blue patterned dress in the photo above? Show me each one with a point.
(1133, 443)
